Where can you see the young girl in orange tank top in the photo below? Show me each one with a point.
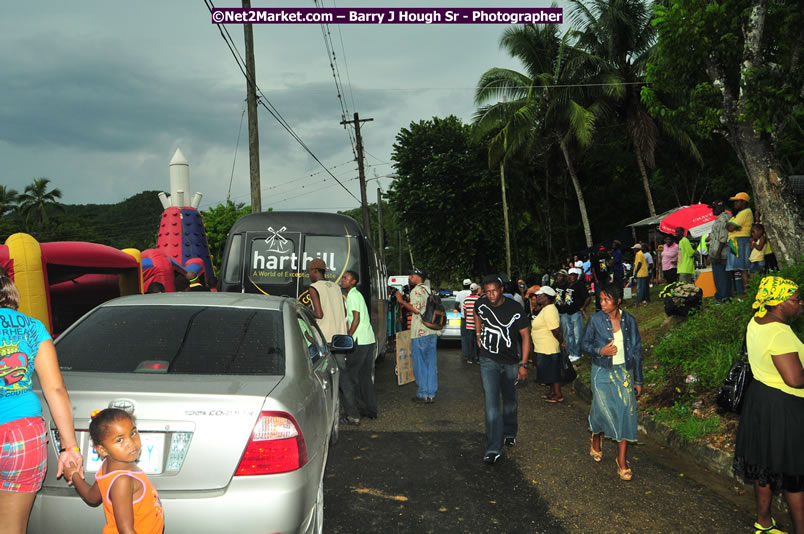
(130, 501)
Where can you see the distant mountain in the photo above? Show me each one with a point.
(132, 223)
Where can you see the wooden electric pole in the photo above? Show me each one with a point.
(253, 134)
(380, 240)
(361, 171)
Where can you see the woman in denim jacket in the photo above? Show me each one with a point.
(612, 338)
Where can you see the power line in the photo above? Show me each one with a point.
(265, 102)
(237, 143)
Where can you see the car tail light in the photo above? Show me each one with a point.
(276, 446)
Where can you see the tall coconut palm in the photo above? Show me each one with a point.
(546, 102)
(8, 199)
(619, 36)
(36, 200)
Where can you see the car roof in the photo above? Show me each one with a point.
(199, 298)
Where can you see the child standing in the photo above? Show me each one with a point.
(758, 243)
(130, 501)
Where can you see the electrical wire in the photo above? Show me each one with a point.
(265, 102)
(237, 144)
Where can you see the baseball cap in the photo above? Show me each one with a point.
(546, 290)
(467, 282)
(193, 268)
(317, 263)
(741, 196)
(474, 286)
(418, 272)
(575, 270)
(637, 246)
(563, 271)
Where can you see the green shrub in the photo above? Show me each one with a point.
(707, 344)
(681, 418)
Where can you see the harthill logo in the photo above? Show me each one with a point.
(277, 243)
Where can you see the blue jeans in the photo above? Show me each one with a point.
(469, 343)
(499, 379)
(572, 328)
(423, 354)
(722, 282)
(643, 289)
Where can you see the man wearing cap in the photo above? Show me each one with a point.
(575, 300)
(503, 340)
(739, 228)
(467, 337)
(422, 339)
(719, 251)
(328, 305)
(468, 314)
(642, 275)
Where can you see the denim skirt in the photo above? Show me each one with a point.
(614, 410)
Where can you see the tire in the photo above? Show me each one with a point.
(318, 526)
(333, 436)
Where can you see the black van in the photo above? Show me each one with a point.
(269, 252)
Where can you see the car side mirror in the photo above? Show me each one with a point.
(342, 343)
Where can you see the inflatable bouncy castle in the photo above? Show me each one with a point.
(61, 281)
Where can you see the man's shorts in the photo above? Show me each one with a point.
(740, 262)
(758, 266)
(23, 455)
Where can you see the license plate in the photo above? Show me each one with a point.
(153, 448)
(455, 322)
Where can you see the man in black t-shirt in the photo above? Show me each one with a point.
(576, 298)
(503, 339)
(600, 274)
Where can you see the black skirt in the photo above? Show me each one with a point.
(770, 438)
(548, 368)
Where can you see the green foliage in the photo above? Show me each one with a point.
(709, 342)
(218, 220)
(132, 223)
(447, 199)
(682, 418)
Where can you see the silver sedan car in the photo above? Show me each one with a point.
(236, 400)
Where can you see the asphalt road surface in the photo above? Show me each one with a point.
(418, 468)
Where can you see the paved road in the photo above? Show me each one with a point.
(418, 468)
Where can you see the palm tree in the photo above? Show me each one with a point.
(544, 103)
(36, 200)
(8, 199)
(620, 38)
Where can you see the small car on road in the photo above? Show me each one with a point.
(236, 400)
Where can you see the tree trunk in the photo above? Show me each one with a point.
(505, 218)
(645, 182)
(548, 213)
(773, 197)
(577, 185)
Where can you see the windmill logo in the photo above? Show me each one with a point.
(277, 243)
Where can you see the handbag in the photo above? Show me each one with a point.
(568, 373)
(732, 392)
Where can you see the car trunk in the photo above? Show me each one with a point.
(193, 428)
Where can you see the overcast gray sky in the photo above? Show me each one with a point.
(98, 95)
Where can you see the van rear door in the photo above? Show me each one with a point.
(272, 262)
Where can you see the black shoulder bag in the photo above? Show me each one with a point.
(732, 392)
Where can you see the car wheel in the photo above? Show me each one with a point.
(333, 436)
(319, 508)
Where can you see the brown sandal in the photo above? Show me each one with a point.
(624, 474)
(596, 455)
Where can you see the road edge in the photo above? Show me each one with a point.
(706, 455)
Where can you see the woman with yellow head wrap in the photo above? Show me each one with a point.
(771, 432)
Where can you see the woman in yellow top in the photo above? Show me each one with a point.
(545, 333)
(771, 433)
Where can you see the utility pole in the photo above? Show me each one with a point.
(253, 134)
(361, 171)
(380, 240)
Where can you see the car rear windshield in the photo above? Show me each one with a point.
(191, 340)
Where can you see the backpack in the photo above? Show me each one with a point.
(435, 315)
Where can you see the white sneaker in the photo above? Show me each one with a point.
(574, 358)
